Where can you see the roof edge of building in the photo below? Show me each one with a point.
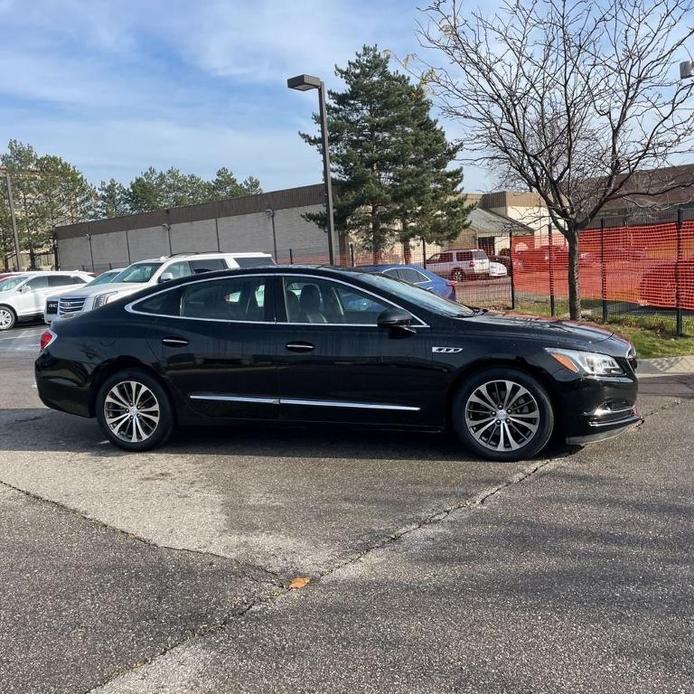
(287, 198)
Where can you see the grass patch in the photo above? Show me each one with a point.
(653, 336)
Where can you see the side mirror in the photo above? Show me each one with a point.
(165, 277)
(24, 289)
(397, 320)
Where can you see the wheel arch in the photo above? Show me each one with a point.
(495, 362)
(113, 366)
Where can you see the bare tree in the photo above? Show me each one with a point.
(568, 99)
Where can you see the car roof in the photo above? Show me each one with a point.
(202, 256)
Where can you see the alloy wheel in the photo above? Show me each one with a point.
(6, 319)
(131, 411)
(502, 415)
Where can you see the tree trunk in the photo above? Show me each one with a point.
(574, 280)
(344, 260)
(406, 253)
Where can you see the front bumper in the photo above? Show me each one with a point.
(597, 409)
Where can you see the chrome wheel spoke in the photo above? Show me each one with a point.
(131, 411)
(502, 415)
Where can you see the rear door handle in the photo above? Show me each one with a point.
(300, 346)
(174, 341)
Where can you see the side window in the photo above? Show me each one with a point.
(392, 272)
(314, 300)
(409, 275)
(464, 255)
(178, 270)
(60, 280)
(236, 298)
(207, 265)
(435, 258)
(163, 304)
(421, 278)
(446, 257)
(38, 283)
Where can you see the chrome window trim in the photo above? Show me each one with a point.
(131, 307)
(269, 400)
(422, 324)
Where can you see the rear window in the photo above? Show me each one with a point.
(254, 262)
(479, 255)
(207, 265)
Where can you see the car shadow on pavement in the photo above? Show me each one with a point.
(39, 429)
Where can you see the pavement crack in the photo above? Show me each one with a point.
(273, 576)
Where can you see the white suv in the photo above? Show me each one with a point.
(145, 273)
(460, 263)
(23, 296)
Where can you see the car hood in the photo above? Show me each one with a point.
(120, 287)
(565, 333)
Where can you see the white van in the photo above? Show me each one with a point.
(23, 296)
(460, 264)
(145, 273)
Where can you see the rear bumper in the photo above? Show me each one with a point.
(58, 388)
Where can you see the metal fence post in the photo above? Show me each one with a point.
(291, 257)
(552, 306)
(351, 253)
(510, 257)
(424, 254)
(603, 272)
(678, 257)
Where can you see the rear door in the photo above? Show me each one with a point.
(216, 343)
(336, 365)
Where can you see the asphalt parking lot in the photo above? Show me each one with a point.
(429, 572)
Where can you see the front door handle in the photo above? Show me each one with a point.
(174, 341)
(300, 347)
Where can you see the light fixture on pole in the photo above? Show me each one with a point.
(303, 83)
(270, 213)
(91, 252)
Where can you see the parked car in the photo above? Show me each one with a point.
(284, 344)
(460, 264)
(414, 274)
(658, 286)
(146, 273)
(23, 296)
(50, 312)
(497, 270)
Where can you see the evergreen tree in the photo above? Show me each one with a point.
(111, 200)
(389, 160)
(147, 192)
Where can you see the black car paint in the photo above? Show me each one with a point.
(365, 364)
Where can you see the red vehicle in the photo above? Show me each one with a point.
(658, 285)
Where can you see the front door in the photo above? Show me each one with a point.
(218, 351)
(32, 296)
(335, 364)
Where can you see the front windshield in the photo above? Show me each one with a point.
(11, 282)
(419, 296)
(139, 272)
(104, 278)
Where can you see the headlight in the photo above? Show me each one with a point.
(586, 363)
(102, 299)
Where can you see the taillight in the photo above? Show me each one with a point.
(47, 338)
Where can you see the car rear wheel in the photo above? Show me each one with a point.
(7, 318)
(503, 414)
(134, 411)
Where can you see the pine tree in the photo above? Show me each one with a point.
(111, 200)
(389, 160)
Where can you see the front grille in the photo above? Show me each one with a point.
(66, 307)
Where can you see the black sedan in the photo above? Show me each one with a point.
(315, 345)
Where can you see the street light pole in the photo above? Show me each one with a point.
(13, 217)
(271, 214)
(303, 83)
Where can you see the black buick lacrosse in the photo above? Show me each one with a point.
(314, 345)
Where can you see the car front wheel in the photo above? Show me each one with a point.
(7, 318)
(503, 414)
(457, 275)
(134, 411)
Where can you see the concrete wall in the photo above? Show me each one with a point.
(238, 233)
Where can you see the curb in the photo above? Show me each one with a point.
(666, 366)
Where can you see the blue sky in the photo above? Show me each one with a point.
(116, 86)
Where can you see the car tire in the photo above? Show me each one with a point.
(457, 275)
(519, 429)
(147, 426)
(8, 318)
